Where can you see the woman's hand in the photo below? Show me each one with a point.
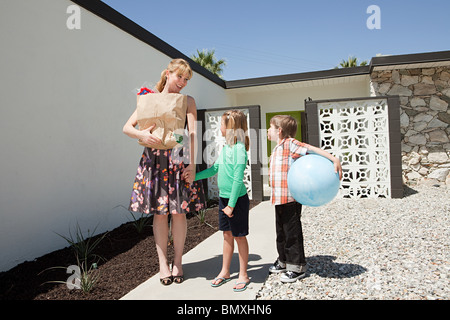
(188, 173)
(147, 138)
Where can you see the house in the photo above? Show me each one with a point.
(66, 93)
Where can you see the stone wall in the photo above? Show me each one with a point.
(424, 120)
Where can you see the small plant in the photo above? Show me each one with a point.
(83, 246)
(142, 222)
(202, 217)
(87, 276)
(82, 277)
(139, 223)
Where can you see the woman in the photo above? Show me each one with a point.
(163, 184)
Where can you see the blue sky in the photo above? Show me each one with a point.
(265, 38)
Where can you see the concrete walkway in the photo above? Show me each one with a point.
(203, 263)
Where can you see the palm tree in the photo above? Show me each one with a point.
(208, 60)
(351, 62)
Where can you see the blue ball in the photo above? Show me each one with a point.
(312, 180)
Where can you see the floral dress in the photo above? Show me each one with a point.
(159, 188)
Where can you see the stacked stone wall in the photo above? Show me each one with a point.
(424, 120)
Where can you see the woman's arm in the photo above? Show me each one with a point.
(144, 135)
(191, 115)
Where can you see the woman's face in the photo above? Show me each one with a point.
(176, 82)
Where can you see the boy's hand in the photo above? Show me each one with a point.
(338, 167)
(228, 211)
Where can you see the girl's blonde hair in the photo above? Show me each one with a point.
(236, 128)
(180, 66)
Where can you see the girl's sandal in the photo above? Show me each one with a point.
(166, 281)
(235, 289)
(222, 281)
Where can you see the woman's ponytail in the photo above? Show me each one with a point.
(162, 82)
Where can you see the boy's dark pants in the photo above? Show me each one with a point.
(290, 248)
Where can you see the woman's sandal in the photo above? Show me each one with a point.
(178, 279)
(166, 281)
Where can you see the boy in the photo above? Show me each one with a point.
(291, 256)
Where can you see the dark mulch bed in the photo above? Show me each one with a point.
(129, 258)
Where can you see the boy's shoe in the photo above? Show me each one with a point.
(291, 276)
(276, 268)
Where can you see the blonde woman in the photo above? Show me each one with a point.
(164, 183)
(233, 198)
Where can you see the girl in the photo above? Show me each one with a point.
(233, 198)
(163, 183)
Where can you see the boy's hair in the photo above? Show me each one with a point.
(236, 128)
(287, 124)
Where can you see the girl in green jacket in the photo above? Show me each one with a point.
(233, 198)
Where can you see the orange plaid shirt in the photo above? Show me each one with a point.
(283, 155)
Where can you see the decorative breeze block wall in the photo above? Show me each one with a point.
(364, 133)
(357, 133)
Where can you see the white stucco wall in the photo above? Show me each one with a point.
(64, 97)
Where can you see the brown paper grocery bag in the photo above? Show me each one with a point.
(168, 112)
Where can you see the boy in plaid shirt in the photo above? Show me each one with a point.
(291, 256)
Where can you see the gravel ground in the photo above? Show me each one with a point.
(385, 249)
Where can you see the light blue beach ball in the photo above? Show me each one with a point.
(312, 180)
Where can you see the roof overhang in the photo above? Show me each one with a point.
(300, 80)
(411, 61)
(318, 82)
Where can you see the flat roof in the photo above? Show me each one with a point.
(413, 58)
(295, 77)
(114, 17)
